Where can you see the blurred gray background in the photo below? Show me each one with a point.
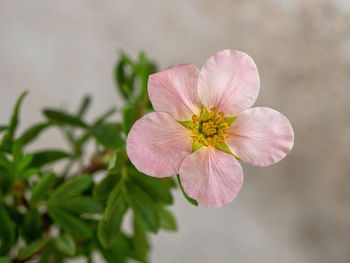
(295, 211)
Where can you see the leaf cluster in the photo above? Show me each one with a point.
(49, 215)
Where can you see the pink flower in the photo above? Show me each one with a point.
(203, 123)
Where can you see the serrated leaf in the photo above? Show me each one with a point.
(109, 225)
(32, 227)
(71, 188)
(65, 244)
(47, 156)
(7, 231)
(41, 189)
(166, 219)
(108, 135)
(64, 118)
(82, 205)
(129, 117)
(32, 248)
(189, 199)
(143, 207)
(70, 223)
(33, 132)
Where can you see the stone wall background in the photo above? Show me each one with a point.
(295, 211)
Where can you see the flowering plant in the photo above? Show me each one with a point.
(201, 127)
(187, 136)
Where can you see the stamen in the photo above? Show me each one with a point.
(209, 128)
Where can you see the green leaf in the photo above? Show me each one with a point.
(84, 106)
(46, 255)
(65, 244)
(143, 207)
(73, 225)
(7, 231)
(33, 132)
(140, 246)
(129, 117)
(189, 199)
(3, 128)
(230, 120)
(120, 249)
(41, 189)
(47, 156)
(29, 173)
(82, 205)
(32, 228)
(117, 161)
(167, 219)
(6, 142)
(32, 248)
(104, 116)
(109, 226)
(155, 187)
(108, 135)
(71, 188)
(64, 118)
(5, 260)
(102, 190)
(6, 180)
(14, 119)
(24, 162)
(123, 80)
(5, 163)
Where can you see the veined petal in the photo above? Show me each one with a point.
(174, 91)
(212, 177)
(157, 144)
(261, 136)
(229, 81)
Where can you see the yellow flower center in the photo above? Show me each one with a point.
(209, 128)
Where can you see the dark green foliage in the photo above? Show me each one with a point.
(88, 213)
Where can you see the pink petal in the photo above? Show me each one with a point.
(229, 81)
(157, 144)
(211, 177)
(261, 136)
(175, 91)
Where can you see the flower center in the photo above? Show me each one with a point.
(209, 128)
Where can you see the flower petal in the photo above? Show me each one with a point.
(261, 136)
(229, 81)
(211, 177)
(157, 144)
(175, 91)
